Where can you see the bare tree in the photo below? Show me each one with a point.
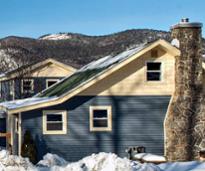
(18, 70)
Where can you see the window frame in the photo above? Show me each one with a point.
(109, 118)
(64, 122)
(22, 85)
(47, 80)
(148, 71)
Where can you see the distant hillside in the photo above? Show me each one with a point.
(74, 49)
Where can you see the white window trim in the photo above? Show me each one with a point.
(64, 120)
(16, 125)
(32, 85)
(47, 80)
(161, 71)
(109, 110)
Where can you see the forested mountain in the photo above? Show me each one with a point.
(74, 49)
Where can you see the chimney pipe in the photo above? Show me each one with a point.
(185, 104)
(185, 20)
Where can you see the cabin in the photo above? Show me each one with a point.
(30, 79)
(109, 105)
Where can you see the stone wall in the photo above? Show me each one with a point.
(184, 123)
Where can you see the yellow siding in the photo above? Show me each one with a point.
(51, 70)
(131, 79)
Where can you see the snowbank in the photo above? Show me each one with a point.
(108, 162)
(144, 167)
(26, 102)
(105, 162)
(150, 157)
(50, 160)
(183, 166)
(14, 163)
(95, 162)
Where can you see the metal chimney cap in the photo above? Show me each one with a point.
(184, 23)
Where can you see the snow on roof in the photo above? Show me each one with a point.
(110, 60)
(25, 102)
(89, 72)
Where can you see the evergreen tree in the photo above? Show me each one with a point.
(29, 148)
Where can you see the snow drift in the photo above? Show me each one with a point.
(95, 162)
(14, 163)
(52, 162)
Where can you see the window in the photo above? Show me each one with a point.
(54, 122)
(100, 118)
(50, 82)
(27, 86)
(153, 71)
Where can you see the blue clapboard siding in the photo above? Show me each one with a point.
(137, 121)
(3, 130)
(5, 91)
(39, 85)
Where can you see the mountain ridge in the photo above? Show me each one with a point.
(78, 49)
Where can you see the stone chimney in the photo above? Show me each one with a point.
(185, 106)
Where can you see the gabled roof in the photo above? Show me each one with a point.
(27, 69)
(84, 78)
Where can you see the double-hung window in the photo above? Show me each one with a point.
(154, 71)
(27, 86)
(54, 122)
(100, 118)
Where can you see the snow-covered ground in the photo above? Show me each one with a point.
(59, 36)
(95, 162)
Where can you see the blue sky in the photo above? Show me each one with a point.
(33, 18)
